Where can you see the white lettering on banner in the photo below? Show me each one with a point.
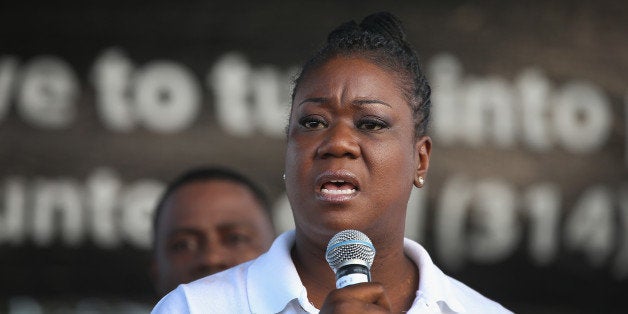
(543, 210)
(47, 93)
(111, 77)
(534, 88)
(8, 69)
(228, 81)
(478, 221)
(24, 305)
(489, 112)
(620, 268)
(12, 219)
(474, 110)
(590, 227)
(445, 72)
(54, 200)
(167, 96)
(138, 202)
(474, 220)
(164, 96)
(582, 117)
(103, 188)
(270, 94)
(62, 210)
(450, 217)
(495, 229)
(248, 99)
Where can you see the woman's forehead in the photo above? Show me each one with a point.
(348, 77)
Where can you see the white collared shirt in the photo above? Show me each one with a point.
(271, 284)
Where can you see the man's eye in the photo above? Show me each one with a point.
(311, 122)
(237, 238)
(183, 245)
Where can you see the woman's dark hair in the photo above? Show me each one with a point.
(381, 39)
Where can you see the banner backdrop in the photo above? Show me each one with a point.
(102, 103)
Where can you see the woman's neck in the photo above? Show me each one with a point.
(391, 267)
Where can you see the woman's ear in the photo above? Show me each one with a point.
(423, 148)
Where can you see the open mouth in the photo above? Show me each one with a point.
(338, 187)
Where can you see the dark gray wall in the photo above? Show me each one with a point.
(100, 104)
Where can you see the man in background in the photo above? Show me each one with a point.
(207, 220)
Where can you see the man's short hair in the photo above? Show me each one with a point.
(202, 174)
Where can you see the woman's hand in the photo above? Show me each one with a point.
(367, 297)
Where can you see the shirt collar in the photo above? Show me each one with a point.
(276, 266)
(434, 285)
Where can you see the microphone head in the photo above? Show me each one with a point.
(349, 247)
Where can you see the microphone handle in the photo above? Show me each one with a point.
(352, 274)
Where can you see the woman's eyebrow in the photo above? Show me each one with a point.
(358, 102)
(361, 102)
(318, 100)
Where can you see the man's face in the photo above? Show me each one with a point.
(206, 227)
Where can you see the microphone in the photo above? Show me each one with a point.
(350, 254)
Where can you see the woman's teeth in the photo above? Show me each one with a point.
(349, 191)
(338, 187)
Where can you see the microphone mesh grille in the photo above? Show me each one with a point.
(349, 245)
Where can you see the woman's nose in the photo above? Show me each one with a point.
(339, 141)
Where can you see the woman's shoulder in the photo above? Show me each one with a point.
(437, 287)
(473, 301)
(223, 292)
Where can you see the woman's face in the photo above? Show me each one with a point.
(351, 154)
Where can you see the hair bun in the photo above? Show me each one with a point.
(340, 31)
(385, 24)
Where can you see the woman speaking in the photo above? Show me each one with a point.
(356, 144)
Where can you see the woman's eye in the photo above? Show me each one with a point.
(312, 122)
(372, 124)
